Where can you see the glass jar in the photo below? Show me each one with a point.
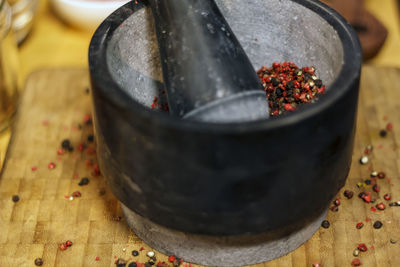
(8, 67)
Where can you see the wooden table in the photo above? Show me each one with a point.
(45, 216)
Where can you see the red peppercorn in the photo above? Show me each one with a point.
(336, 202)
(355, 262)
(60, 151)
(381, 206)
(376, 188)
(81, 147)
(63, 246)
(97, 258)
(334, 208)
(316, 264)
(381, 175)
(389, 126)
(51, 165)
(76, 194)
(68, 243)
(96, 170)
(289, 107)
(171, 258)
(34, 168)
(362, 247)
(87, 119)
(359, 225)
(387, 197)
(367, 198)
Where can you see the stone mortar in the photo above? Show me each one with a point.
(213, 194)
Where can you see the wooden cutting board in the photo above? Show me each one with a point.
(53, 106)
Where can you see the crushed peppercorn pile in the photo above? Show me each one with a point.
(287, 86)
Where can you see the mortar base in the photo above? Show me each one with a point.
(221, 251)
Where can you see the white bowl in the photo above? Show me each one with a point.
(85, 14)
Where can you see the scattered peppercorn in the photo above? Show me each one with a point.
(336, 202)
(389, 126)
(84, 181)
(38, 262)
(348, 194)
(356, 252)
(66, 144)
(51, 165)
(63, 246)
(368, 149)
(381, 175)
(150, 254)
(135, 253)
(325, 224)
(374, 174)
(368, 182)
(362, 247)
(393, 241)
(76, 194)
(90, 138)
(316, 264)
(334, 208)
(287, 86)
(381, 206)
(393, 204)
(60, 151)
(378, 224)
(15, 198)
(376, 188)
(383, 133)
(132, 264)
(387, 197)
(355, 262)
(68, 243)
(364, 160)
(87, 90)
(102, 192)
(120, 263)
(359, 225)
(365, 196)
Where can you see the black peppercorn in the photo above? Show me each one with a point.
(348, 194)
(38, 262)
(15, 198)
(325, 224)
(381, 175)
(84, 181)
(87, 90)
(383, 133)
(90, 138)
(378, 224)
(120, 263)
(65, 144)
(318, 83)
(275, 81)
(132, 264)
(135, 253)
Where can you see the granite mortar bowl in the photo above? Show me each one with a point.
(273, 175)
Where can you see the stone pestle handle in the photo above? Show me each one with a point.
(206, 72)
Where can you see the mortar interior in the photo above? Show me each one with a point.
(269, 31)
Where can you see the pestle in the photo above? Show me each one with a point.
(207, 74)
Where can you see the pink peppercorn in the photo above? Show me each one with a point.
(51, 165)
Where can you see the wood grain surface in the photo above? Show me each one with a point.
(54, 103)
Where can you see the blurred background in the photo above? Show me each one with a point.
(56, 33)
